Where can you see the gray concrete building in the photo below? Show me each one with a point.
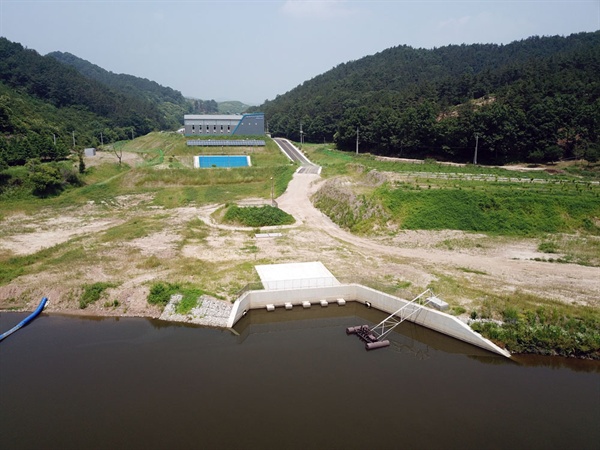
(224, 125)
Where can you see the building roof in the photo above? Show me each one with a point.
(295, 275)
(212, 117)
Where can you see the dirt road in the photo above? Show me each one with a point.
(464, 268)
(505, 267)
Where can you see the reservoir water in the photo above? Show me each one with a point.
(284, 380)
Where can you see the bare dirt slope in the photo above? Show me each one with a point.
(221, 258)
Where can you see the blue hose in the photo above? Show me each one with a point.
(26, 320)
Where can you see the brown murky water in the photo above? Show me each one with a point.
(288, 380)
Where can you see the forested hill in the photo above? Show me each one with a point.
(42, 98)
(532, 100)
(128, 84)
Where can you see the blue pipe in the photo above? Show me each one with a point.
(27, 320)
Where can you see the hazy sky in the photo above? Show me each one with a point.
(252, 50)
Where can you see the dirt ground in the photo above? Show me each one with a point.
(408, 258)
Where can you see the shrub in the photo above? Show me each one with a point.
(548, 247)
(45, 178)
(545, 331)
(255, 216)
(92, 293)
(160, 293)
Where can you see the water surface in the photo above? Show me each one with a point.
(287, 380)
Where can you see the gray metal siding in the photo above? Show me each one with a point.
(222, 125)
(251, 125)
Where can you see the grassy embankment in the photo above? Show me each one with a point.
(161, 181)
(560, 211)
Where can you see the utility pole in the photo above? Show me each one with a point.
(101, 139)
(73, 139)
(476, 145)
(357, 140)
(54, 136)
(132, 134)
(301, 136)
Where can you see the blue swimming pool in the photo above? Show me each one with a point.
(207, 161)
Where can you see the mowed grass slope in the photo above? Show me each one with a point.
(470, 198)
(167, 175)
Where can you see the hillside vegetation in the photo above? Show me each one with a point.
(164, 168)
(533, 100)
(42, 98)
(370, 196)
(171, 103)
(53, 105)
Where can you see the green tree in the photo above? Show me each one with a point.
(81, 165)
(45, 178)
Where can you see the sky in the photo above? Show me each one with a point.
(253, 50)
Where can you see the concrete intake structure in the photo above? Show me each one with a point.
(426, 317)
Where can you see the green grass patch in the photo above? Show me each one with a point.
(136, 228)
(152, 262)
(15, 266)
(426, 200)
(548, 247)
(525, 323)
(457, 310)
(583, 249)
(161, 292)
(189, 301)
(257, 216)
(195, 231)
(173, 186)
(491, 211)
(552, 330)
(334, 161)
(12, 268)
(93, 292)
(152, 158)
(176, 188)
(468, 270)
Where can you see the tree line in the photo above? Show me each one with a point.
(53, 105)
(44, 103)
(532, 100)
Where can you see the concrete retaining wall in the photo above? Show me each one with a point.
(427, 317)
(260, 299)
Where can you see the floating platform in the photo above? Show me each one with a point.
(366, 335)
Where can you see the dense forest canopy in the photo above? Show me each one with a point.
(533, 100)
(54, 104)
(43, 100)
(120, 82)
(170, 103)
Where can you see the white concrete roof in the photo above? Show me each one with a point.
(295, 275)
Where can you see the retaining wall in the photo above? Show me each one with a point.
(427, 317)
